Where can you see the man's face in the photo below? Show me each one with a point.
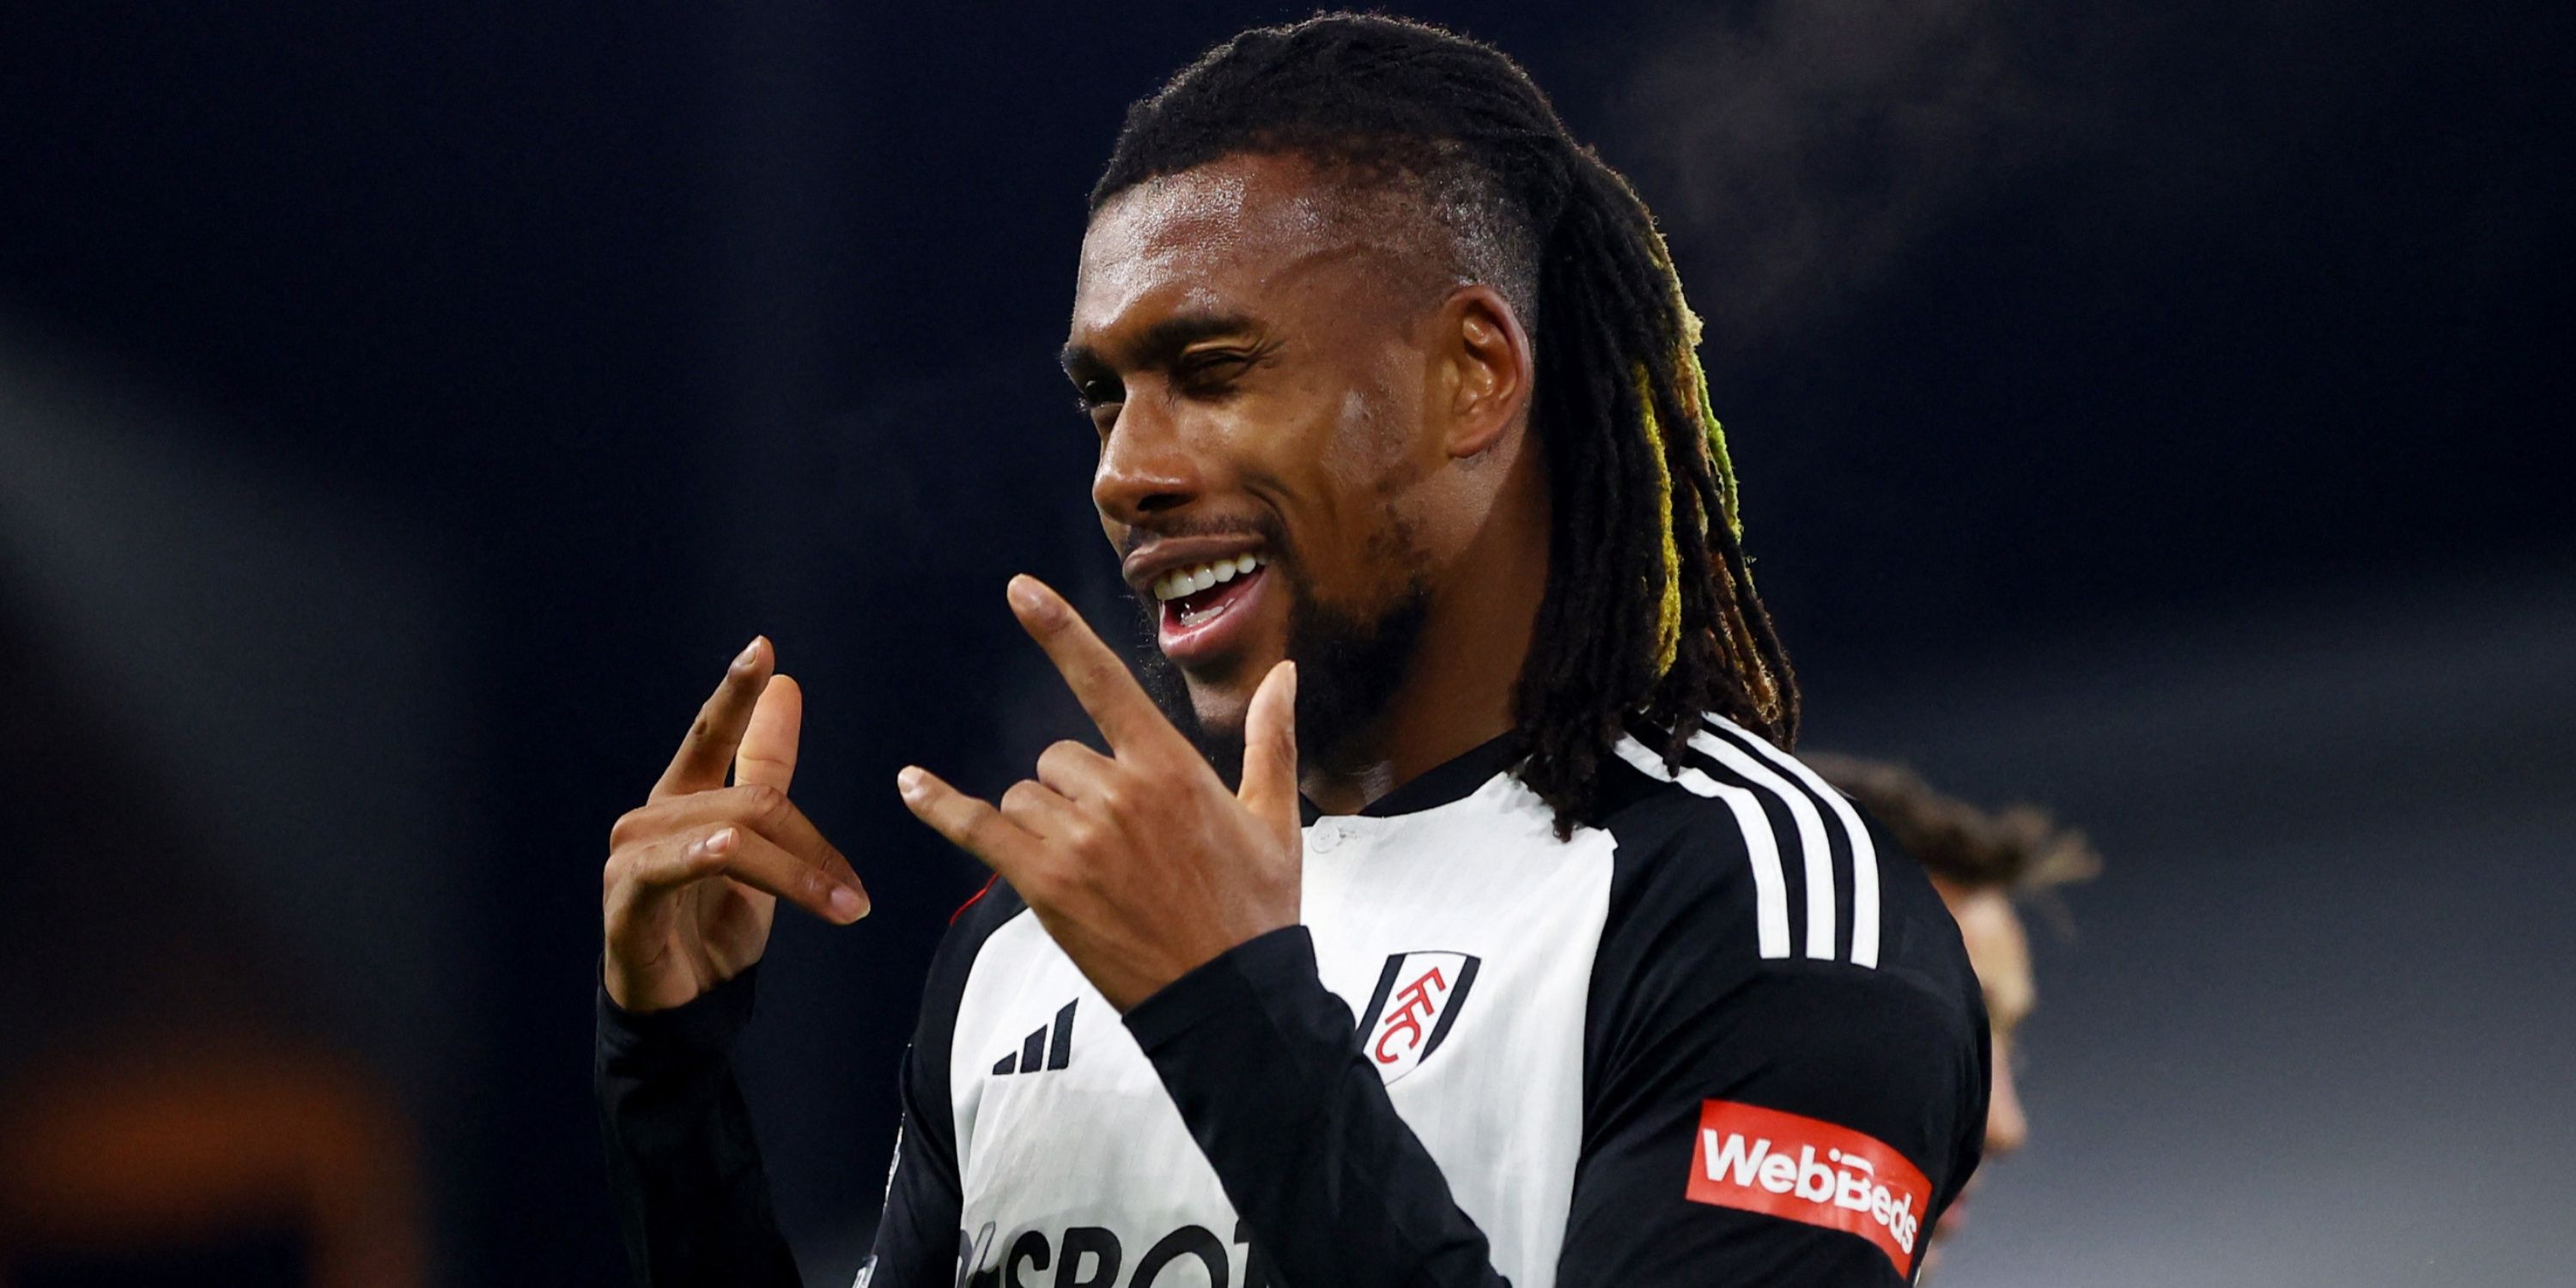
(1250, 358)
(1999, 951)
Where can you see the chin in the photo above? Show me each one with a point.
(1221, 709)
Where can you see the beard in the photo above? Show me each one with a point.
(1347, 670)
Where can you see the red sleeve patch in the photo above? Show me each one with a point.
(1806, 1169)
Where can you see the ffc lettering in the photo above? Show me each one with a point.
(1412, 1005)
(1417, 1000)
(1806, 1169)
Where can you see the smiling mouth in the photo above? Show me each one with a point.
(1194, 595)
(1202, 606)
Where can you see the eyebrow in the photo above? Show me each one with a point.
(1159, 346)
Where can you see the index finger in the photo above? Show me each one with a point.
(1093, 670)
(699, 764)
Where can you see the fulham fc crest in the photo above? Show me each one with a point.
(1418, 996)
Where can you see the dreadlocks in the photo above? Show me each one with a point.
(1650, 616)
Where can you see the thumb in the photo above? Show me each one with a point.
(768, 752)
(1270, 749)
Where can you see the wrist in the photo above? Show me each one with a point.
(1233, 978)
(705, 1024)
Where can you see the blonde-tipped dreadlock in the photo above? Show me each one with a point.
(1650, 617)
(1668, 604)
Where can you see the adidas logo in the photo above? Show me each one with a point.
(1057, 1052)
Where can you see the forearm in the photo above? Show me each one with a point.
(684, 1167)
(1261, 1061)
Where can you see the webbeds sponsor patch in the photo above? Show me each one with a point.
(1807, 1169)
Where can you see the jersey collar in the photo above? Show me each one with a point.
(1451, 780)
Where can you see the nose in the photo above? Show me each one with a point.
(1145, 467)
(2006, 1129)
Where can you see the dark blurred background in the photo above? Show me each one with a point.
(404, 414)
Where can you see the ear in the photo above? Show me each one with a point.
(1486, 354)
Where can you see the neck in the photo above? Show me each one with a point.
(1467, 666)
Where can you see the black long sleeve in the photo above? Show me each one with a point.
(1261, 1061)
(916, 1239)
(683, 1164)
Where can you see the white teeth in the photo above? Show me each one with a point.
(1190, 581)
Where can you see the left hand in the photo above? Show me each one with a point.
(1140, 863)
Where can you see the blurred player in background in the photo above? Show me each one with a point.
(1984, 864)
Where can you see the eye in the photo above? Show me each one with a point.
(1097, 401)
(1208, 369)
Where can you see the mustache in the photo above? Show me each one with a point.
(1272, 533)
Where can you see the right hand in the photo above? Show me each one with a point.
(694, 876)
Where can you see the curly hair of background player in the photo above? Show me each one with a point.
(1650, 615)
(2020, 850)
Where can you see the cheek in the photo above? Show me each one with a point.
(1359, 529)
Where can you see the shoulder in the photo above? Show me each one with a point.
(1766, 951)
(1753, 910)
(974, 922)
(1753, 852)
(953, 963)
